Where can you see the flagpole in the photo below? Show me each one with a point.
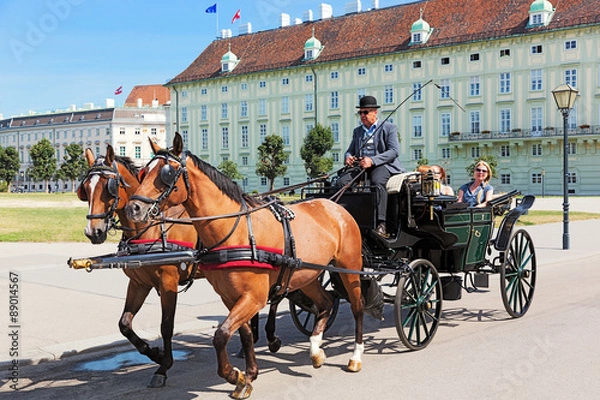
(217, 20)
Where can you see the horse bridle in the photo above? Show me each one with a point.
(168, 176)
(115, 180)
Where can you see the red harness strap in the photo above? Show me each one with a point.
(240, 263)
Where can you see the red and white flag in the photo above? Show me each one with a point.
(237, 15)
(119, 90)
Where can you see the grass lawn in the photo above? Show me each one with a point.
(60, 217)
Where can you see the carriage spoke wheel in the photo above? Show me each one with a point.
(304, 316)
(418, 304)
(518, 274)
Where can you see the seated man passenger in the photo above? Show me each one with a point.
(477, 192)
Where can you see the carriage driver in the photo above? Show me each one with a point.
(374, 147)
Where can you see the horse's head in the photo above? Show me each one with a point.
(104, 189)
(163, 182)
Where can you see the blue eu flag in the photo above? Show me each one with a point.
(212, 9)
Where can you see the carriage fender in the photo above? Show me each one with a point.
(509, 221)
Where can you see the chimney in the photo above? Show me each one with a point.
(88, 106)
(353, 7)
(155, 103)
(325, 11)
(225, 33)
(110, 103)
(375, 4)
(297, 21)
(245, 29)
(139, 102)
(284, 20)
(307, 16)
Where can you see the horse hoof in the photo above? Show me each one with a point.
(318, 359)
(354, 366)
(275, 345)
(243, 389)
(157, 381)
(242, 392)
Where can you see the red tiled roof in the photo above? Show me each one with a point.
(148, 93)
(383, 31)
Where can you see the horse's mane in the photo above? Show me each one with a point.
(230, 188)
(128, 164)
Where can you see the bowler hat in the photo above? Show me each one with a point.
(367, 102)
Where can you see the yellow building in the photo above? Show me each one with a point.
(461, 79)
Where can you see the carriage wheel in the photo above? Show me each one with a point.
(304, 315)
(418, 304)
(518, 273)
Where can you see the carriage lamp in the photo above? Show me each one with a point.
(565, 96)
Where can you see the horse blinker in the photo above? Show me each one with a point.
(113, 187)
(168, 174)
(81, 193)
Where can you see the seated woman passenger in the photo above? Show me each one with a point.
(440, 173)
(477, 192)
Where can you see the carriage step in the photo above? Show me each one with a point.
(481, 280)
(451, 287)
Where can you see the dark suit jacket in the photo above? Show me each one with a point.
(387, 147)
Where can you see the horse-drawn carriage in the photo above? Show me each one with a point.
(436, 240)
(439, 247)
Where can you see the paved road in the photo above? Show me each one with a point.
(478, 351)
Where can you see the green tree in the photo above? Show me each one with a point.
(271, 158)
(422, 161)
(74, 165)
(318, 142)
(9, 165)
(491, 160)
(230, 169)
(44, 162)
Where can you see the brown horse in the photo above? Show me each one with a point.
(324, 233)
(109, 183)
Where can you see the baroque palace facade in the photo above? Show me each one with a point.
(126, 129)
(492, 66)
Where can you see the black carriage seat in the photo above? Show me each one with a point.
(509, 221)
(433, 227)
(403, 189)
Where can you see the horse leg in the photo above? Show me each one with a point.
(357, 303)
(243, 387)
(241, 312)
(168, 300)
(272, 339)
(324, 303)
(136, 294)
(254, 328)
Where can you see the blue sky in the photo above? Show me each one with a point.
(54, 53)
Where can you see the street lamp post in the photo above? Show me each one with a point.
(543, 182)
(565, 96)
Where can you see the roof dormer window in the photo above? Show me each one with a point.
(540, 13)
(420, 31)
(229, 61)
(312, 48)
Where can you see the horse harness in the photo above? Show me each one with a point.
(115, 181)
(287, 262)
